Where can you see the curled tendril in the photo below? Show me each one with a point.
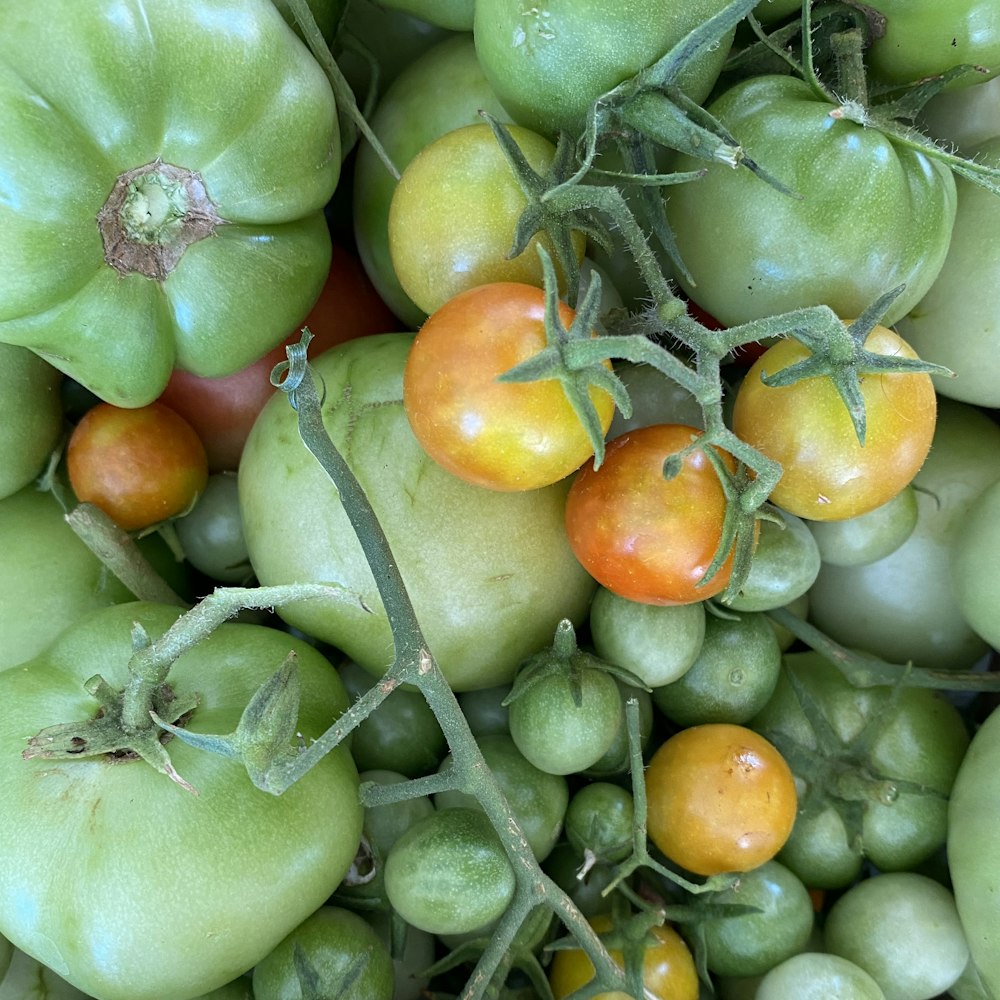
(288, 375)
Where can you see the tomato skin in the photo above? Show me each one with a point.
(644, 537)
(816, 975)
(874, 214)
(500, 435)
(446, 236)
(827, 474)
(720, 799)
(303, 841)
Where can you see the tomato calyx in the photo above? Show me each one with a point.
(152, 215)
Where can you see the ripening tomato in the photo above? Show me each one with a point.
(501, 435)
(140, 466)
(720, 798)
(828, 475)
(644, 537)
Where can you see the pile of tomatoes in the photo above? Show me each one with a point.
(598, 598)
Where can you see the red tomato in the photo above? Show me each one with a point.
(222, 410)
(140, 466)
(500, 435)
(644, 537)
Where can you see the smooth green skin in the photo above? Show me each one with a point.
(656, 643)
(973, 565)
(211, 534)
(31, 416)
(50, 578)
(24, 978)
(560, 736)
(869, 537)
(617, 759)
(973, 849)
(538, 799)
(922, 739)
(441, 90)
(417, 955)
(902, 928)
(89, 92)
(335, 941)
(549, 62)
(238, 989)
(815, 976)
(599, 821)
(484, 710)
(449, 874)
(455, 15)
(237, 852)
(732, 678)
(402, 734)
(785, 565)
(904, 607)
(871, 215)
(656, 399)
(490, 574)
(753, 943)
(385, 824)
(957, 323)
(967, 117)
(925, 38)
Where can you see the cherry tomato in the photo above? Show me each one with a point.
(140, 466)
(501, 435)
(644, 537)
(720, 798)
(828, 475)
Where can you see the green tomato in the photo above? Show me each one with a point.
(24, 978)
(599, 822)
(977, 589)
(617, 759)
(485, 711)
(350, 960)
(903, 930)
(657, 643)
(815, 976)
(656, 399)
(955, 324)
(456, 15)
(537, 799)
(238, 852)
(31, 416)
(509, 574)
(750, 944)
(449, 873)
(211, 533)
(966, 116)
(132, 133)
(904, 607)
(548, 63)
(876, 214)
(869, 537)
(441, 90)
(732, 677)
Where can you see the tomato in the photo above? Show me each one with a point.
(500, 435)
(241, 852)
(732, 677)
(349, 959)
(720, 799)
(485, 711)
(31, 416)
(921, 40)
(120, 160)
(668, 970)
(869, 214)
(537, 798)
(599, 821)
(645, 537)
(448, 874)
(903, 607)
(965, 116)
(456, 15)
(750, 944)
(657, 643)
(211, 533)
(953, 324)
(817, 976)
(549, 63)
(442, 90)
(876, 767)
(446, 237)
(827, 473)
(973, 861)
(975, 584)
(27, 979)
(510, 573)
(140, 466)
(222, 410)
(902, 928)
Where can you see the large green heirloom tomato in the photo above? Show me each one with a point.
(865, 215)
(163, 170)
(125, 883)
(490, 574)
